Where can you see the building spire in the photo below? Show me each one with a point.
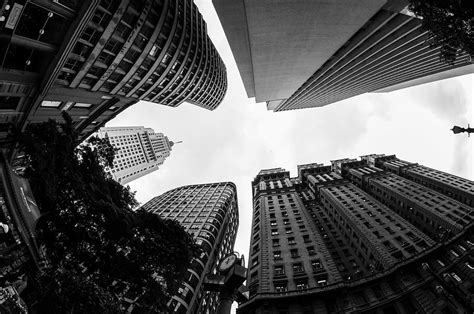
(172, 143)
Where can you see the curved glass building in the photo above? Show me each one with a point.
(94, 58)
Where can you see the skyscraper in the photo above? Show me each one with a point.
(302, 54)
(352, 237)
(139, 151)
(210, 213)
(94, 58)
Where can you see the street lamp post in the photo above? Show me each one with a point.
(457, 129)
(232, 273)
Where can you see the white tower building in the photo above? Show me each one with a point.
(139, 151)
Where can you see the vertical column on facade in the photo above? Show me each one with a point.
(287, 253)
(435, 214)
(322, 264)
(458, 188)
(367, 227)
(99, 46)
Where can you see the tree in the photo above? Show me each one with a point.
(88, 228)
(450, 25)
(68, 292)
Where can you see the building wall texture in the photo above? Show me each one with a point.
(303, 54)
(210, 213)
(95, 58)
(357, 237)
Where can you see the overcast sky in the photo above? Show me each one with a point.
(239, 138)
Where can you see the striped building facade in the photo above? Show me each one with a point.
(95, 58)
(210, 213)
(353, 237)
(304, 54)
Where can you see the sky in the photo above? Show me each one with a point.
(239, 138)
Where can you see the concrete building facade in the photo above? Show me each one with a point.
(303, 54)
(210, 213)
(95, 58)
(352, 237)
(139, 151)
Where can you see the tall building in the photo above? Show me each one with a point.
(210, 213)
(302, 54)
(460, 189)
(139, 151)
(353, 237)
(94, 58)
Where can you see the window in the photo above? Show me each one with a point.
(153, 50)
(316, 264)
(306, 238)
(274, 232)
(301, 285)
(281, 287)
(255, 249)
(82, 105)
(440, 263)
(291, 241)
(288, 230)
(294, 253)
(276, 242)
(279, 270)
(254, 276)
(462, 248)
(277, 255)
(166, 58)
(10, 102)
(50, 104)
(456, 277)
(322, 282)
(298, 268)
(311, 250)
(388, 245)
(255, 261)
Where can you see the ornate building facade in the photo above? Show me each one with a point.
(354, 237)
(94, 58)
(139, 151)
(210, 213)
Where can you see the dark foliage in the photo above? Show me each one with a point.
(450, 25)
(90, 233)
(68, 292)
